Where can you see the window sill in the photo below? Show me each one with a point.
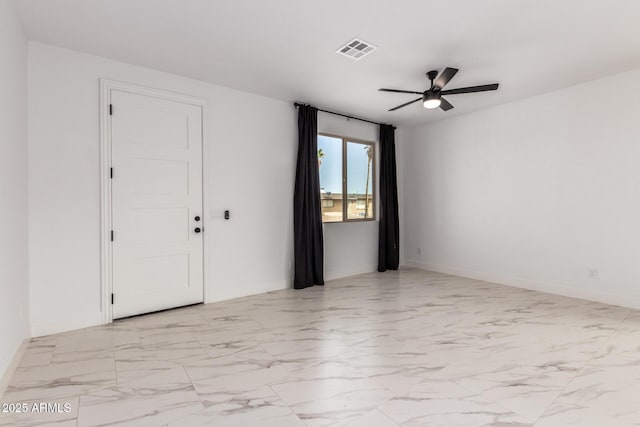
(351, 221)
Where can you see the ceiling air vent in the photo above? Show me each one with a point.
(356, 49)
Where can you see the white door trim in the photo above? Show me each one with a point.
(106, 255)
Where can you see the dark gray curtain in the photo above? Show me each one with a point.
(389, 227)
(307, 212)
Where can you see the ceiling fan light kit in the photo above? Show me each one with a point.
(432, 97)
(431, 100)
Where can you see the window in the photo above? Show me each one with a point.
(347, 168)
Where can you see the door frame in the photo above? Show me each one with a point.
(106, 248)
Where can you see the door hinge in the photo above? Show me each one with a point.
(111, 109)
(111, 173)
(111, 299)
(112, 235)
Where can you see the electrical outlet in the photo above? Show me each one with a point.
(592, 273)
(419, 251)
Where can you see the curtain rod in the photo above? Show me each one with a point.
(297, 104)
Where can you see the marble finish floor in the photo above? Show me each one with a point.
(407, 348)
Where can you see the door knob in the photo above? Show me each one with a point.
(196, 219)
(197, 229)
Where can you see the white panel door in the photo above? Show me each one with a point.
(157, 203)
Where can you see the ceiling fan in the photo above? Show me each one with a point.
(432, 97)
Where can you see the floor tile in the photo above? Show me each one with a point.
(258, 407)
(441, 403)
(152, 401)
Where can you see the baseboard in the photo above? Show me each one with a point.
(550, 288)
(248, 290)
(39, 329)
(339, 274)
(8, 373)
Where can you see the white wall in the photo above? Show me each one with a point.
(352, 248)
(14, 289)
(253, 142)
(533, 193)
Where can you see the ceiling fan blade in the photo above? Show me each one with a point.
(471, 89)
(405, 104)
(399, 91)
(445, 105)
(445, 77)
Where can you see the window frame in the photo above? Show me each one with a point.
(345, 216)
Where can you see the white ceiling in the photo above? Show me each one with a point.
(286, 48)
